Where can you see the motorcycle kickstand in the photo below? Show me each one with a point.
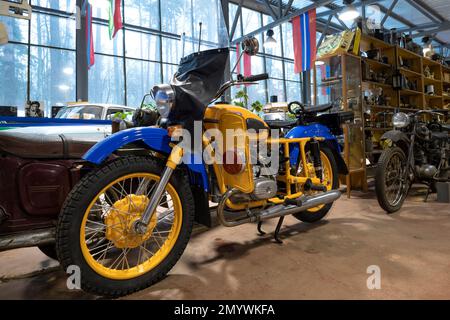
(428, 193)
(277, 230)
(260, 231)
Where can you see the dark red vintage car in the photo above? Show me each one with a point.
(37, 171)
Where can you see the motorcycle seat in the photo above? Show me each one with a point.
(319, 109)
(42, 146)
(281, 124)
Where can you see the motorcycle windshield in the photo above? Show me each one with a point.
(196, 82)
(201, 73)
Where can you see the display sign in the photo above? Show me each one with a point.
(15, 8)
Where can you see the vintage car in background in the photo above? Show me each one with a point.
(89, 111)
(40, 162)
(83, 120)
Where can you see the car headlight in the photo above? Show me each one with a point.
(400, 120)
(165, 99)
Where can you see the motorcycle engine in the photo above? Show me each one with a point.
(265, 185)
(426, 171)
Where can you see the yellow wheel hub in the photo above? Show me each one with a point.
(121, 218)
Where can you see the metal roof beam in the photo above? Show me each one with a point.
(288, 8)
(443, 27)
(342, 23)
(416, 5)
(236, 19)
(280, 8)
(324, 32)
(396, 16)
(284, 19)
(389, 12)
(270, 9)
(427, 9)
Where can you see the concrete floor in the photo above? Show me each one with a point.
(328, 260)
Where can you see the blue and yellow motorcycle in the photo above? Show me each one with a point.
(129, 219)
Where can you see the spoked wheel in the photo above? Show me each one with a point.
(96, 227)
(391, 183)
(330, 181)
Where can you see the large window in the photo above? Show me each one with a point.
(277, 62)
(148, 50)
(39, 62)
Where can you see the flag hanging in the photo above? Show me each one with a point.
(247, 62)
(87, 9)
(305, 47)
(115, 18)
(238, 55)
(247, 65)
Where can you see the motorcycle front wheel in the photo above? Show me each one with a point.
(391, 184)
(95, 228)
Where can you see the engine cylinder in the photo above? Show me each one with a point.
(427, 171)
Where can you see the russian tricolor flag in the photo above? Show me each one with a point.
(87, 10)
(304, 31)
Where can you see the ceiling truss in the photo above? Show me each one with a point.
(283, 11)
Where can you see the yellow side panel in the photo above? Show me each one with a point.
(222, 117)
(239, 139)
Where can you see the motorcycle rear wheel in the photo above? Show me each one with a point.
(390, 166)
(331, 181)
(95, 232)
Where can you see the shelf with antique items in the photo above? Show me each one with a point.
(380, 99)
(433, 84)
(445, 87)
(337, 79)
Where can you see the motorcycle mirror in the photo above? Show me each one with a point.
(250, 46)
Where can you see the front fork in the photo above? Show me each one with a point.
(175, 158)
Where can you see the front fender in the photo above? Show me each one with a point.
(397, 137)
(155, 139)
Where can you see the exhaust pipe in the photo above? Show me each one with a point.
(277, 211)
(28, 239)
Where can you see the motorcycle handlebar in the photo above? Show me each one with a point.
(255, 78)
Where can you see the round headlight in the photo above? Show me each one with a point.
(400, 120)
(165, 98)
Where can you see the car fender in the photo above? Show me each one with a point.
(155, 139)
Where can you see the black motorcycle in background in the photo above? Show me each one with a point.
(416, 151)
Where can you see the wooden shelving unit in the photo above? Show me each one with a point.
(421, 76)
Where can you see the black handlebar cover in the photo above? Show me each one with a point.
(255, 78)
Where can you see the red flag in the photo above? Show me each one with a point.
(238, 55)
(89, 35)
(247, 66)
(117, 17)
(304, 34)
